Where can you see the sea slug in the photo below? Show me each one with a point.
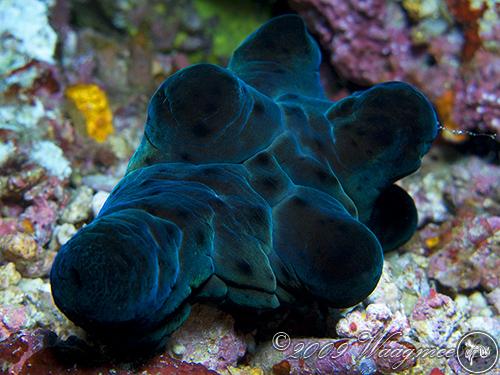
(250, 188)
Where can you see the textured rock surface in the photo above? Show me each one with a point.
(25, 38)
(208, 337)
(40, 352)
(435, 318)
(79, 207)
(364, 335)
(447, 48)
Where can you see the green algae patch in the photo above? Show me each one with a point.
(232, 22)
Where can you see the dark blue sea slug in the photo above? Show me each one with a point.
(249, 188)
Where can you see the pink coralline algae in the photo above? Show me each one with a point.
(469, 259)
(30, 201)
(16, 182)
(348, 356)
(13, 318)
(41, 352)
(477, 99)
(43, 196)
(474, 181)
(446, 53)
(377, 318)
(208, 337)
(366, 39)
(436, 317)
(460, 211)
(364, 340)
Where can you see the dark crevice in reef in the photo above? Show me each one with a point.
(452, 293)
(286, 319)
(482, 146)
(280, 7)
(443, 289)
(91, 14)
(74, 351)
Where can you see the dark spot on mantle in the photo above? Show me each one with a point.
(200, 130)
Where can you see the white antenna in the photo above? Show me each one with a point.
(466, 132)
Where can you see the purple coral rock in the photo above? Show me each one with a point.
(348, 356)
(475, 180)
(378, 318)
(7, 226)
(373, 41)
(469, 259)
(208, 337)
(35, 352)
(435, 318)
(12, 319)
(367, 45)
(477, 100)
(366, 339)
(42, 214)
